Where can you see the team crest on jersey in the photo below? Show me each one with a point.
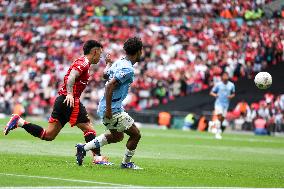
(122, 74)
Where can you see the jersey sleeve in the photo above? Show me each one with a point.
(78, 66)
(123, 75)
(215, 88)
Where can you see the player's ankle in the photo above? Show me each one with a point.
(22, 122)
(128, 155)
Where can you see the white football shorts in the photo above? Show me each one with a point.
(220, 110)
(120, 121)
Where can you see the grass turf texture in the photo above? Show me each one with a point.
(169, 158)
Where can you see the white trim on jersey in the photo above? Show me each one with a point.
(84, 64)
(79, 67)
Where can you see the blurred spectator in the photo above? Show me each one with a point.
(241, 112)
(202, 124)
(160, 92)
(278, 121)
(189, 121)
(269, 110)
(260, 126)
(164, 119)
(263, 110)
(242, 109)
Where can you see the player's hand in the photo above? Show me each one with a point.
(108, 59)
(230, 97)
(215, 95)
(108, 114)
(69, 100)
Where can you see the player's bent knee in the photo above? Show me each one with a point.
(119, 138)
(139, 135)
(49, 138)
(136, 134)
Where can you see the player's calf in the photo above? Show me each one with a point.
(134, 138)
(48, 134)
(114, 136)
(33, 129)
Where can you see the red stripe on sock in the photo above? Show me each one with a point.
(86, 133)
(52, 120)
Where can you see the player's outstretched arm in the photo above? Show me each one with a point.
(69, 87)
(108, 93)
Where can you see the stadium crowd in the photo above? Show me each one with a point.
(155, 8)
(264, 117)
(181, 56)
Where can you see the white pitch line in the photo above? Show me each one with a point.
(118, 186)
(132, 187)
(68, 180)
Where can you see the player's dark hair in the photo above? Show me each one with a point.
(133, 45)
(89, 45)
(224, 72)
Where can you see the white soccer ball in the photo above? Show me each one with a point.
(263, 80)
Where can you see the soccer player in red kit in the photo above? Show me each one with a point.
(67, 106)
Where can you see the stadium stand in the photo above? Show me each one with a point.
(182, 55)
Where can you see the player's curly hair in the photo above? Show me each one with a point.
(133, 45)
(89, 45)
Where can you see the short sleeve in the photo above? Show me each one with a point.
(123, 75)
(215, 88)
(80, 67)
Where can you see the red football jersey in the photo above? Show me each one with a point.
(82, 65)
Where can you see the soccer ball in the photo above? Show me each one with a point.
(263, 80)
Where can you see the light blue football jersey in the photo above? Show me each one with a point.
(122, 70)
(223, 91)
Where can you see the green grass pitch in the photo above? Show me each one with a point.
(169, 158)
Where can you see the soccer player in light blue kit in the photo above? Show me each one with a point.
(119, 75)
(223, 91)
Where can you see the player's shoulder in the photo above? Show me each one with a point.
(219, 83)
(81, 61)
(231, 83)
(123, 64)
